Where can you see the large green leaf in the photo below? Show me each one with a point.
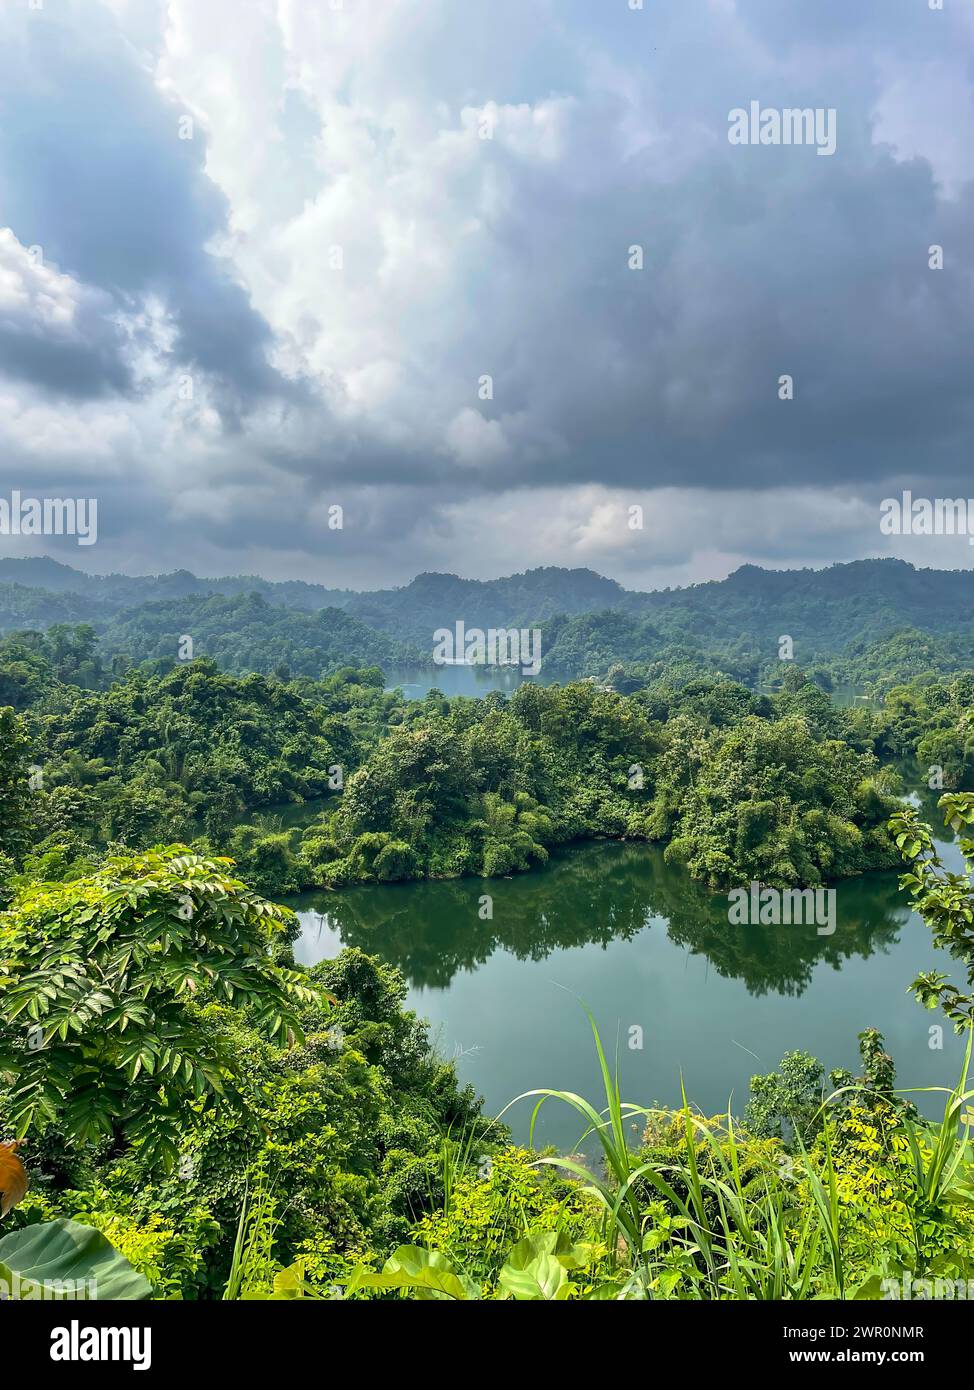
(427, 1272)
(537, 1243)
(543, 1279)
(55, 1252)
(870, 1288)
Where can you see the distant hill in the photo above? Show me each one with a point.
(866, 614)
(842, 608)
(114, 591)
(23, 607)
(244, 632)
(433, 601)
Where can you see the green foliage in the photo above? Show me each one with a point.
(536, 1270)
(772, 801)
(929, 720)
(63, 1253)
(945, 901)
(498, 1199)
(266, 857)
(171, 1256)
(246, 632)
(706, 1210)
(738, 786)
(782, 789)
(194, 751)
(190, 753)
(14, 796)
(790, 1104)
(176, 1074)
(101, 1024)
(338, 1150)
(34, 664)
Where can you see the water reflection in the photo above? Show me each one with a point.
(640, 943)
(596, 894)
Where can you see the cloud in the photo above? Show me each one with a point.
(56, 332)
(476, 441)
(382, 203)
(489, 235)
(94, 171)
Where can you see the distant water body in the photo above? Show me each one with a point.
(472, 680)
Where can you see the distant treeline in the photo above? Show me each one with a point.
(871, 623)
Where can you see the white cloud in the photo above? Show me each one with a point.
(474, 441)
(33, 291)
(92, 439)
(926, 110)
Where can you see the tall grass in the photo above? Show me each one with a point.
(253, 1266)
(623, 1222)
(754, 1239)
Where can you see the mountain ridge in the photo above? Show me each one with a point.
(43, 572)
(589, 622)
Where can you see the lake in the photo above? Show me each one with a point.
(472, 680)
(645, 947)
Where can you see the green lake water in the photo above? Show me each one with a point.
(644, 947)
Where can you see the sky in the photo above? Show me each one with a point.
(260, 259)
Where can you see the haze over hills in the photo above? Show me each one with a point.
(549, 589)
(589, 622)
(125, 591)
(248, 632)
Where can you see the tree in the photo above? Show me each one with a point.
(104, 986)
(14, 791)
(944, 900)
(787, 1103)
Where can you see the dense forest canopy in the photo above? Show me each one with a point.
(736, 785)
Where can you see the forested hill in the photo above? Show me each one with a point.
(436, 599)
(108, 593)
(431, 601)
(247, 633)
(869, 620)
(860, 621)
(859, 599)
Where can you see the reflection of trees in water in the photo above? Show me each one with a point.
(915, 777)
(433, 930)
(594, 895)
(780, 959)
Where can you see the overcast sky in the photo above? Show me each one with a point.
(258, 255)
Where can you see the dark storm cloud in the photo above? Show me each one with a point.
(671, 374)
(759, 262)
(91, 365)
(92, 169)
